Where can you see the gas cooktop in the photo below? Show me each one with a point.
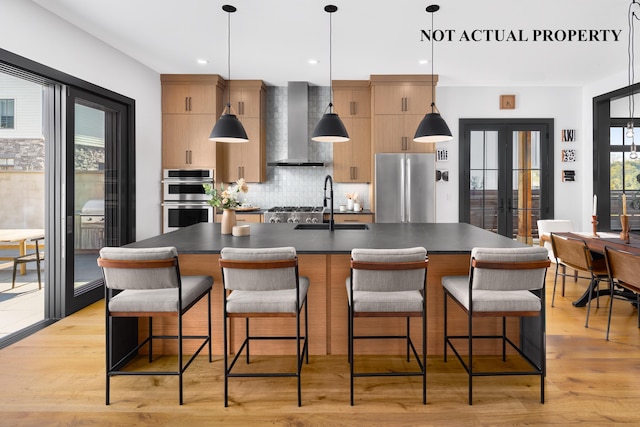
(295, 209)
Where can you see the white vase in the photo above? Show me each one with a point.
(228, 221)
(349, 204)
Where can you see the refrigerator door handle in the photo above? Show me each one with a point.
(408, 193)
(403, 193)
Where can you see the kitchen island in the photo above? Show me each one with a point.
(324, 257)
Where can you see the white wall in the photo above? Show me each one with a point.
(563, 104)
(36, 34)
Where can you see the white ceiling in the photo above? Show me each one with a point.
(273, 40)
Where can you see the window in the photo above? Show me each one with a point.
(624, 175)
(7, 114)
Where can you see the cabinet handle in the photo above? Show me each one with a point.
(189, 103)
(186, 156)
(352, 108)
(242, 108)
(190, 157)
(186, 103)
(350, 220)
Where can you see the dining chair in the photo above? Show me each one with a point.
(146, 282)
(574, 253)
(545, 228)
(263, 283)
(624, 271)
(387, 283)
(502, 282)
(37, 256)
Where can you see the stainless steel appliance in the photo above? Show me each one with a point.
(183, 214)
(405, 187)
(294, 214)
(184, 200)
(91, 227)
(185, 184)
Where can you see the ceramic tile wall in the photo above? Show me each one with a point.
(298, 186)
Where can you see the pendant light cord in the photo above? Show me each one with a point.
(433, 95)
(330, 62)
(631, 75)
(229, 59)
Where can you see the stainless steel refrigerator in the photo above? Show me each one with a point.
(405, 187)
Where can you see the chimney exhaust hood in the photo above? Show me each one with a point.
(298, 127)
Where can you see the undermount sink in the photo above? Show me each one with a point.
(325, 226)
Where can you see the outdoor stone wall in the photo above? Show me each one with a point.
(21, 154)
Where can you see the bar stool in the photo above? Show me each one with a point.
(388, 283)
(263, 283)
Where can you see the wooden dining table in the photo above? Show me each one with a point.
(596, 244)
(19, 236)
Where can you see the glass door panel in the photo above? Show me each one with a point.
(89, 191)
(506, 176)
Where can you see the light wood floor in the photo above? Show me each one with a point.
(56, 377)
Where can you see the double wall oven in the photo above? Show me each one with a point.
(184, 200)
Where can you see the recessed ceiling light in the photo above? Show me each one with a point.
(202, 61)
(423, 61)
(313, 61)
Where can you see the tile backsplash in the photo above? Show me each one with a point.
(298, 186)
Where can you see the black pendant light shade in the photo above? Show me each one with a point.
(228, 128)
(330, 128)
(432, 128)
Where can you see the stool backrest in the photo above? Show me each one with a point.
(244, 272)
(389, 280)
(509, 269)
(140, 268)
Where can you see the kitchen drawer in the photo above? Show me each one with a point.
(242, 218)
(351, 218)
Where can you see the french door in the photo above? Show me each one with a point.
(506, 181)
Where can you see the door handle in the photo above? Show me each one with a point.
(501, 205)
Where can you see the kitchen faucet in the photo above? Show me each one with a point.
(328, 178)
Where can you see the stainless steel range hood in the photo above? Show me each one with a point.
(298, 127)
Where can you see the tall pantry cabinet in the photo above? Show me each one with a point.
(191, 104)
(352, 159)
(246, 160)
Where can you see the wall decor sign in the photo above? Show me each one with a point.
(568, 135)
(507, 102)
(568, 175)
(568, 155)
(442, 155)
(442, 175)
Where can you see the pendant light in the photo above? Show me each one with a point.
(432, 128)
(228, 128)
(631, 54)
(330, 128)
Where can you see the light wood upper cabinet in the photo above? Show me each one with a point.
(245, 100)
(352, 159)
(399, 103)
(191, 104)
(189, 94)
(352, 98)
(402, 94)
(394, 134)
(246, 160)
(185, 141)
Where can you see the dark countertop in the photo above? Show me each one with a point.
(436, 238)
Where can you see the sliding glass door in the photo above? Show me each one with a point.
(97, 206)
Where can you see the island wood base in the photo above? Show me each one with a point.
(327, 299)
